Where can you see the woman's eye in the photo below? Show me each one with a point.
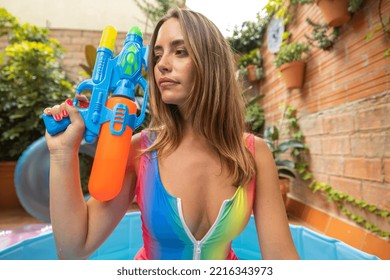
(181, 52)
(156, 57)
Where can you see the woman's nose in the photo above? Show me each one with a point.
(164, 64)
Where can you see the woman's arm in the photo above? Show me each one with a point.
(80, 228)
(270, 215)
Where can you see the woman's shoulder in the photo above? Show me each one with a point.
(263, 153)
(259, 143)
(143, 139)
(259, 148)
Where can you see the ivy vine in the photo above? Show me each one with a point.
(339, 198)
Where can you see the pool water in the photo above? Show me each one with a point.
(126, 240)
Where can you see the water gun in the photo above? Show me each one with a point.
(112, 113)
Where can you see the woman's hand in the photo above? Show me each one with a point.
(69, 140)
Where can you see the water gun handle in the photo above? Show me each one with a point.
(54, 127)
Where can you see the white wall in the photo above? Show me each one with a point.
(78, 14)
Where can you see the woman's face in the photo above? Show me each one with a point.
(174, 69)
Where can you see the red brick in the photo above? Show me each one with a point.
(72, 47)
(377, 194)
(351, 70)
(350, 186)
(312, 125)
(314, 144)
(339, 123)
(332, 99)
(317, 164)
(375, 144)
(387, 169)
(367, 86)
(336, 145)
(362, 45)
(372, 118)
(334, 165)
(362, 168)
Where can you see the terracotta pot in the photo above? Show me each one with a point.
(284, 185)
(293, 74)
(252, 73)
(335, 12)
(8, 197)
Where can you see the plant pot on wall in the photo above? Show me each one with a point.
(335, 12)
(252, 73)
(8, 197)
(293, 74)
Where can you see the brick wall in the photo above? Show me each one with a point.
(74, 42)
(344, 108)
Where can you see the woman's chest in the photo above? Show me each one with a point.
(196, 203)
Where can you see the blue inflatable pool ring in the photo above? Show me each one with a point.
(32, 177)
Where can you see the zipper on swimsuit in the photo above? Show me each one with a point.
(199, 243)
(197, 250)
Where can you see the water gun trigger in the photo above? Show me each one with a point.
(84, 86)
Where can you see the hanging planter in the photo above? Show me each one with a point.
(291, 58)
(254, 73)
(250, 65)
(335, 12)
(293, 74)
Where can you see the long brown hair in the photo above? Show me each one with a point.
(215, 104)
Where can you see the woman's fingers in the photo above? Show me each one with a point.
(73, 113)
(62, 111)
(83, 100)
(47, 111)
(57, 111)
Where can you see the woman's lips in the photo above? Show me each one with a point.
(167, 82)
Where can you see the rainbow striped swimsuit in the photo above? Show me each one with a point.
(164, 231)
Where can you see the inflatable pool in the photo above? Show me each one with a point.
(126, 239)
(35, 242)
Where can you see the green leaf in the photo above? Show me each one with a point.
(285, 162)
(306, 176)
(290, 144)
(31, 78)
(387, 53)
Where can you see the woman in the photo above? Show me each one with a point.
(196, 174)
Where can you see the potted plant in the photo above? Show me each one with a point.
(338, 12)
(30, 79)
(291, 60)
(322, 36)
(278, 147)
(250, 34)
(250, 65)
(254, 116)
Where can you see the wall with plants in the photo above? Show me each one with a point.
(74, 44)
(31, 77)
(342, 108)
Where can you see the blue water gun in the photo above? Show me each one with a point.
(111, 118)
